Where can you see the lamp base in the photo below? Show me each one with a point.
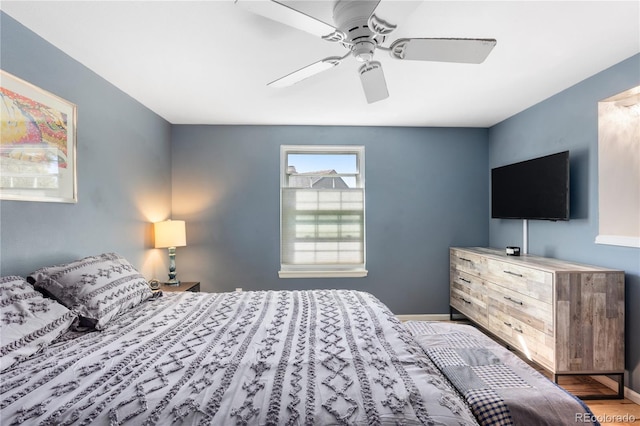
(173, 281)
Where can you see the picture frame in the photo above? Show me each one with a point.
(37, 143)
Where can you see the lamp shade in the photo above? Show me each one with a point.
(170, 233)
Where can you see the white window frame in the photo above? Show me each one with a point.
(323, 270)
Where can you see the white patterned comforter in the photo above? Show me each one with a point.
(278, 357)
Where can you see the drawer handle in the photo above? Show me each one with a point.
(513, 273)
(466, 260)
(508, 324)
(517, 302)
(465, 280)
(519, 330)
(465, 300)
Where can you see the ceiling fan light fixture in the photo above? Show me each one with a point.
(373, 81)
(363, 50)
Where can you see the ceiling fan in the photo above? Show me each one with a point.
(362, 27)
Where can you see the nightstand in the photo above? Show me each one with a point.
(193, 286)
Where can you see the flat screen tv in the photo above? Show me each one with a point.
(532, 189)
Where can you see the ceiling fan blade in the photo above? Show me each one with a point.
(463, 50)
(388, 14)
(373, 82)
(306, 72)
(282, 13)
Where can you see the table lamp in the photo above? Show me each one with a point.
(170, 234)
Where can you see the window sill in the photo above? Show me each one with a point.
(357, 273)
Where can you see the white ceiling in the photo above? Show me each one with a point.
(208, 62)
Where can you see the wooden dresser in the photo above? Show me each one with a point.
(567, 317)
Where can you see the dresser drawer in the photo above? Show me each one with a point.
(532, 312)
(469, 296)
(470, 263)
(522, 279)
(534, 344)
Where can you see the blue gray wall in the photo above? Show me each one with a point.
(569, 121)
(426, 189)
(124, 178)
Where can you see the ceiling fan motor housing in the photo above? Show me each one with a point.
(351, 18)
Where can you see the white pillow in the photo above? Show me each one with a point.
(28, 321)
(98, 288)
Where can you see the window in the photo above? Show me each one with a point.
(322, 220)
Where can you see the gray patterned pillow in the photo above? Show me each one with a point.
(98, 288)
(28, 321)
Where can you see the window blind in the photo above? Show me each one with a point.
(323, 227)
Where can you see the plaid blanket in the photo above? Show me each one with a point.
(500, 388)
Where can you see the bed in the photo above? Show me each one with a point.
(103, 349)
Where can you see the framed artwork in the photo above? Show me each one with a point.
(37, 143)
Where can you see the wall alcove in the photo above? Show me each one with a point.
(619, 169)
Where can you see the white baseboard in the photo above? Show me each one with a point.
(429, 317)
(630, 394)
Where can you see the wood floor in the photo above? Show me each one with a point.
(621, 413)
